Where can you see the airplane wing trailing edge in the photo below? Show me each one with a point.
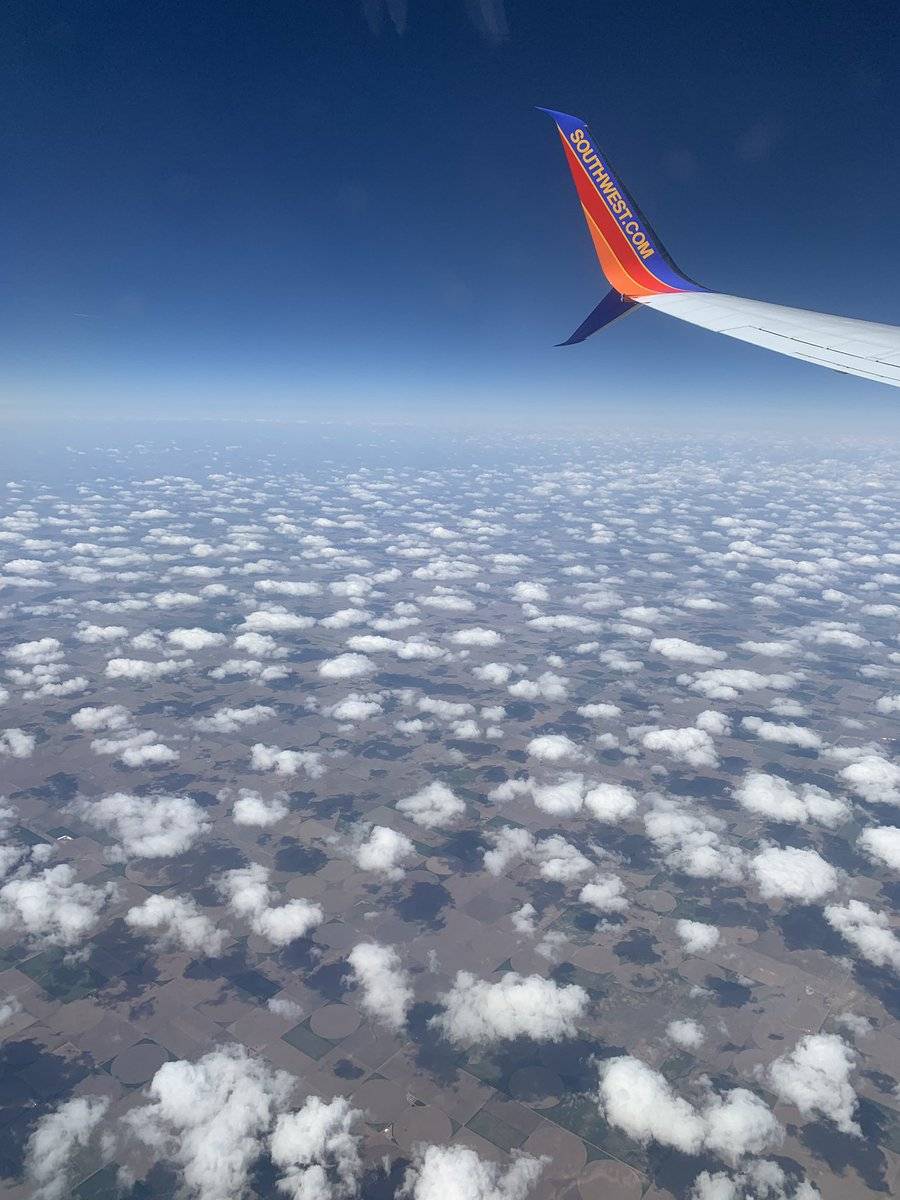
(641, 272)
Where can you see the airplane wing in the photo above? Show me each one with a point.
(642, 272)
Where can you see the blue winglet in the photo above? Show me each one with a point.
(610, 308)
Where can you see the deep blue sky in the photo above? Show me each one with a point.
(272, 207)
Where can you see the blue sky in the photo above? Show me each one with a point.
(291, 210)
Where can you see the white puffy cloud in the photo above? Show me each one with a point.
(317, 1150)
(230, 720)
(525, 592)
(355, 707)
(874, 778)
(641, 1102)
(563, 798)
(554, 857)
(146, 826)
(869, 931)
(195, 639)
(882, 844)
(691, 843)
(96, 635)
(553, 747)
(727, 683)
(56, 1139)
(477, 1011)
(777, 800)
(685, 1033)
(786, 735)
(9, 1007)
(386, 990)
(793, 873)
(286, 762)
(475, 635)
(713, 722)
(693, 746)
(433, 806)
(457, 1173)
(52, 907)
(601, 711)
(380, 850)
(815, 1078)
(610, 803)
(678, 650)
(251, 808)
(697, 937)
(139, 670)
(249, 895)
(177, 923)
(346, 666)
(16, 743)
(495, 673)
(606, 893)
(108, 716)
(210, 1117)
(275, 619)
(547, 686)
(44, 650)
(759, 1180)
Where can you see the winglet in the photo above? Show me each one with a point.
(633, 258)
(610, 308)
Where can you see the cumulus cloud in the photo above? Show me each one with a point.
(355, 707)
(386, 990)
(177, 923)
(685, 1033)
(793, 874)
(605, 893)
(610, 803)
(882, 844)
(727, 683)
(139, 670)
(553, 747)
(777, 800)
(250, 808)
(869, 931)
(286, 762)
(693, 746)
(433, 806)
(195, 639)
(249, 895)
(697, 937)
(146, 826)
(815, 1078)
(760, 1180)
(43, 650)
(275, 619)
(477, 1011)
(52, 907)
(317, 1150)
(691, 843)
(56, 1139)
(346, 666)
(476, 635)
(678, 650)
(108, 716)
(457, 1173)
(380, 850)
(713, 722)
(787, 735)
(874, 778)
(641, 1102)
(230, 720)
(16, 743)
(554, 857)
(211, 1117)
